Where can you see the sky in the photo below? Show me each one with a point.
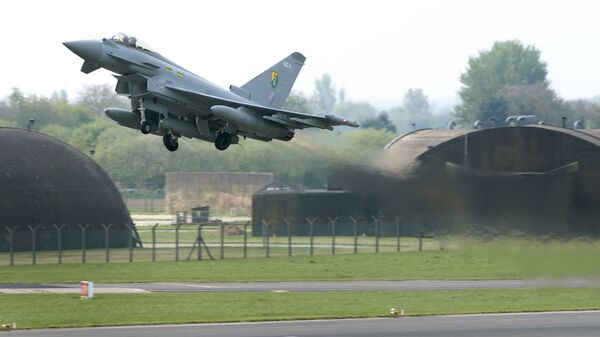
(375, 50)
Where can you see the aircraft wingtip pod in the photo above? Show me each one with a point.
(342, 121)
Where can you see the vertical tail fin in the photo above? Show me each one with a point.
(272, 87)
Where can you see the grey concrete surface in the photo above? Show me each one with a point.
(304, 286)
(555, 324)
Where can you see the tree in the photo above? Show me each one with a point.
(355, 110)
(415, 111)
(296, 101)
(98, 97)
(380, 122)
(56, 110)
(325, 94)
(586, 111)
(508, 63)
(534, 99)
(415, 102)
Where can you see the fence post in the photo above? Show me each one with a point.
(289, 234)
(333, 221)
(420, 241)
(177, 241)
(107, 242)
(355, 232)
(376, 221)
(397, 234)
(222, 241)
(130, 241)
(268, 239)
(59, 241)
(33, 243)
(154, 242)
(311, 229)
(83, 252)
(200, 241)
(246, 239)
(11, 244)
(262, 233)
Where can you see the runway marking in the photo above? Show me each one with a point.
(525, 313)
(187, 285)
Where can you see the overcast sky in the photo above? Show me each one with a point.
(375, 50)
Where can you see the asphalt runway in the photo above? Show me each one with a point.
(555, 324)
(302, 286)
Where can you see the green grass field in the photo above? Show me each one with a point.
(463, 259)
(46, 310)
(473, 260)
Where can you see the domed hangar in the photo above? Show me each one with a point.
(536, 178)
(45, 184)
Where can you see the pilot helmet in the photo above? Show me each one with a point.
(132, 41)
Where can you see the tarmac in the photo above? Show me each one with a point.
(549, 324)
(416, 285)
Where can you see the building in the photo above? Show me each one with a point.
(46, 184)
(224, 192)
(279, 205)
(536, 179)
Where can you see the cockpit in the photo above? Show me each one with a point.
(131, 41)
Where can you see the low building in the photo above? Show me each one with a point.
(279, 206)
(223, 192)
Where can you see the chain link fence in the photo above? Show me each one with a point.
(311, 236)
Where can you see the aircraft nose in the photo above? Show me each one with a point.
(88, 50)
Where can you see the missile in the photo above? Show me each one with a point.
(251, 123)
(337, 120)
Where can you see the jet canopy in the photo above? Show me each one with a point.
(131, 41)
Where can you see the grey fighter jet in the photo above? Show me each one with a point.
(171, 101)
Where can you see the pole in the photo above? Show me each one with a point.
(130, 241)
(311, 229)
(397, 234)
(33, 244)
(333, 221)
(199, 240)
(107, 242)
(222, 241)
(177, 242)
(83, 250)
(289, 233)
(246, 239)
(154, 242)
(268, 238)
(355, 232)
(59, 241)
(376, 221)
(11, 244)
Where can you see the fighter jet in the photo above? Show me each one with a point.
(171, 101)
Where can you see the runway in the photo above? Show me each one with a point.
(302, 286)
(555, 324)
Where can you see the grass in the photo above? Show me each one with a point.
(50, 310)
(460, 259)
(469, 261)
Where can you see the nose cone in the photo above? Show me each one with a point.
(88, 50)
